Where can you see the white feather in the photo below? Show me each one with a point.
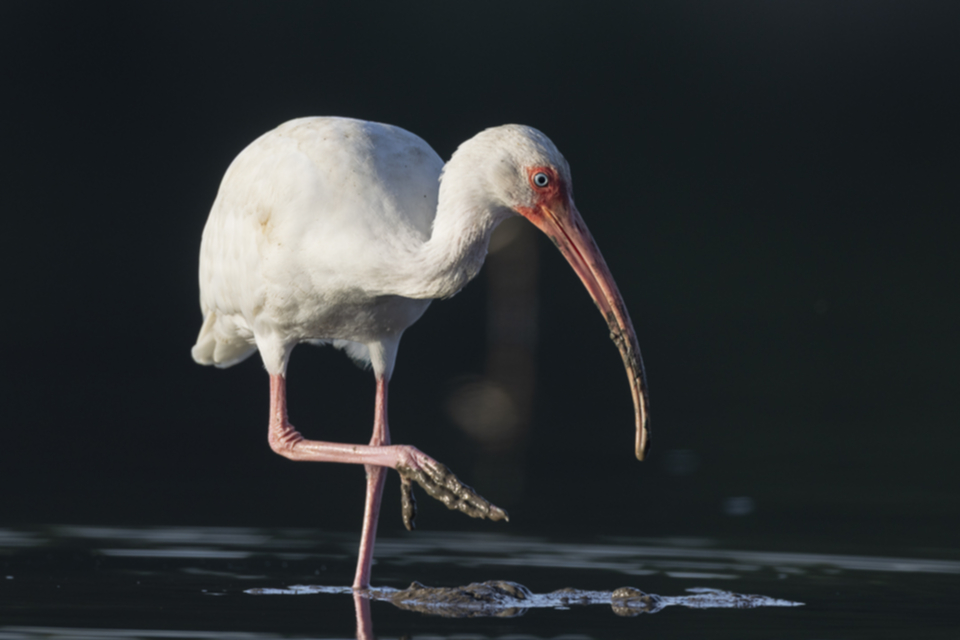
(339, 231)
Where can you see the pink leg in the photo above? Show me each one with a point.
(376, 477)
(287, 441)
(410, 462)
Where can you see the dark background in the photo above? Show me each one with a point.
(774, 185)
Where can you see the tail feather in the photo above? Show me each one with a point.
(221, 343)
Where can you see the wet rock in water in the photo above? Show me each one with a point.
(629, 601)
(502, 598)
(569, 596)
(499, 598)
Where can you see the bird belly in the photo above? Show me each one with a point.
(367, 328)
(362, 319)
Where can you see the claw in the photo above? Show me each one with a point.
(440, 483)
(408, 503)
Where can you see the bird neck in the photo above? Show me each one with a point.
(457, 247)
(467, 214)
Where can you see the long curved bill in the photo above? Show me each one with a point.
(563, 224)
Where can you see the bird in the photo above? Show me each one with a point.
(338, 231)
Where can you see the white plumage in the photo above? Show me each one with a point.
(333, 230)
(303, 215)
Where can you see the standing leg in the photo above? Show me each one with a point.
(412, 465)
(376, 477)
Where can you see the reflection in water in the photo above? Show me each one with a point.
(364, 618)
(75, 583)
(632, 557)
(685, 559)
(181, 552)
(639, 556)
(246, 537)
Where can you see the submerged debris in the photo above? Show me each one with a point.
(628, 601)
(499, 598)
(505, 599)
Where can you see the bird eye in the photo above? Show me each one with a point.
(541, 180)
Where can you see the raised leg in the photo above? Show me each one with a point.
(410, 463)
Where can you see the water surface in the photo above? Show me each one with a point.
(73, 582)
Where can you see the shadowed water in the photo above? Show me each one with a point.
(83, 582)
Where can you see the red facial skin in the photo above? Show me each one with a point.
(554, 213)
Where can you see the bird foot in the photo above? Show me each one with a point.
(440, 483)
(408, 503)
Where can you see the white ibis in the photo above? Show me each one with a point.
(339, 231)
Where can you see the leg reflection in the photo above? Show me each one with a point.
(364, 622)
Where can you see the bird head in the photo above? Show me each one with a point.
(526, 174)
